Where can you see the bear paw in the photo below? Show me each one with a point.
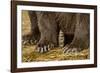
(44, 48)
(71, 49)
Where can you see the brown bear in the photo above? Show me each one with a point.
(74, 24)
(45, 27)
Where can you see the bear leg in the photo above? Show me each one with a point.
(81, 35)
(48, 30)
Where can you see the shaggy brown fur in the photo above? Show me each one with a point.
(75, 27)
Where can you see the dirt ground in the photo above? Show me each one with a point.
(29, 54)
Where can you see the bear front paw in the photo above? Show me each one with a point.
(71, 49)
(44, 48)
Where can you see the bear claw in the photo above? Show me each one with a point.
(44, 49)
(70, 50)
